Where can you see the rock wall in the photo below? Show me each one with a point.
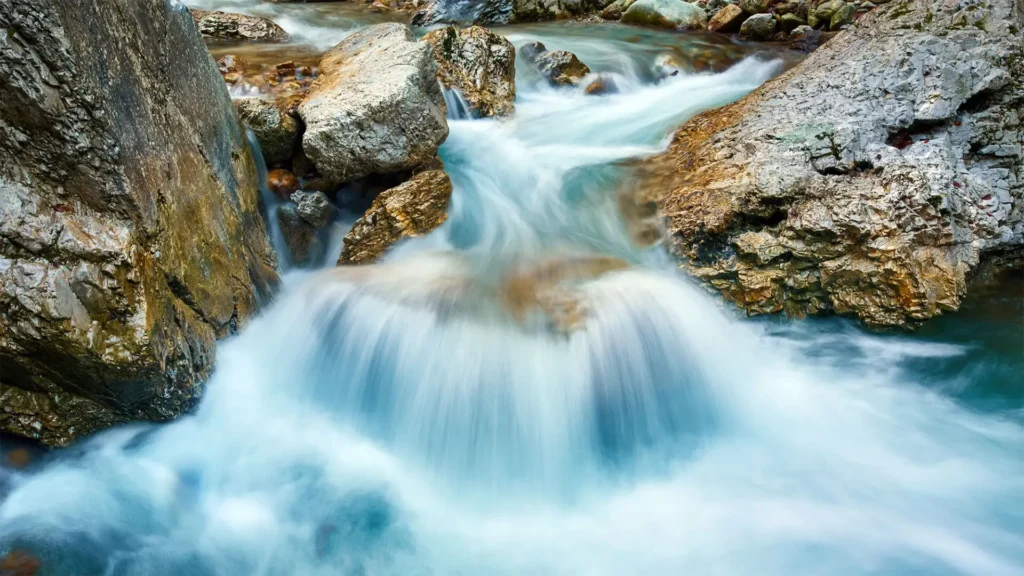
(131, 235)
(870, 180)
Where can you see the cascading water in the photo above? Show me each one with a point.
(525, 391)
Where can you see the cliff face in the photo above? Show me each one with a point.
(131, 236)
(870, 180)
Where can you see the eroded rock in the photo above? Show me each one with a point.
(869, 180)
(228, 26)
(413, 208)
(275, 130)
(727, 19)
(478, 63)
(130, 230)
(376, 107)
(675, 14)
(561, 68)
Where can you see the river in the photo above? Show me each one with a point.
(453, 411)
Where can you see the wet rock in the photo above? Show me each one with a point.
(313, 207)
(561, 68)
(19, 563)
(227, 26)
(282, 183)
(728, 19)
(758, 27)
(675, 14)
(869, 180)
(131, 236)
(614, 10)
(304, 247)
(789, 22)
(18, 458)
(478, 63)
(376, 106)
(276, 131)
(541, 10)
(465, 12)
(602, 84)
(410, 209)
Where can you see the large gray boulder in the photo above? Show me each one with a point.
(131, 236)
(675, 14)
(376, 107)
(872, 179)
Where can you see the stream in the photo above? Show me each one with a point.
(452, 411)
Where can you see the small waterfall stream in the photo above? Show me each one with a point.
(528, 391)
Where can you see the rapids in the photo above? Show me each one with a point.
(529, 391)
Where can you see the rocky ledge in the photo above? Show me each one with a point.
(872, 179)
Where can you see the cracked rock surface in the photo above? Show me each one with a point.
(130, 230)
(871, 180)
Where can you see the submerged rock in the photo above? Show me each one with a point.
(227, 26)
(276, 131)
(869, 180)
(478, 63)
(131, 236)
(561, 68)
(666, 14)
(413, 208)
(376, 107)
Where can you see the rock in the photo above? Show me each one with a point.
(376, 107)
(304, 247)
(614, 10)
(230, 63)
(728, 19)
(754, 6)
(790, 22)
(276, 131)
(410, 209)
(806, 39)
(18, 458)
(282, 183)
(227, 26)
(602, 84)
(131, 236)
(758, 27)
(823, 12)
(842, 16)
(541, 10)
(19, 563)
(313, 207)
(479, 64)
(869, 180)
(465, 12)
(561, 68)
(675, 14)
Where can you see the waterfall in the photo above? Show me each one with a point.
(526, 391)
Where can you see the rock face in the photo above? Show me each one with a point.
(869, 180)
(376, 107)
(561, 68)
(666, 14)
(130, 228)
(276, 131)
(478, 63)
(409, 209)
(227, 26)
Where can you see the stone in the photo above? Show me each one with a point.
(614, 10)
(758, 27)
(313, 207)
(790, 22)
(304, 246)
(19, 563)
(675, 14)
(842, 16)
(465, 12)
(479, 64)
(376, 106)
(541, 10)
(871, 180)
(276, 131)
(282, 183)
(131, 235)
(727, 20)
(413, 208)
(806, 39)
(602, 84)
(233, 27)
(754, 6)
(561, 68)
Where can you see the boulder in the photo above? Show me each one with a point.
(131, 236)
(313, 207)
(806, 39)
(275, 130)
(727, 19)
(869, 180)
(675, 14)
(233, 27)
(754, 6)
(479, 64)
(413, 208)
(790, 22)
(465, 12)
(842, 16)
(758, 27)
(300, 237)
(541, 10)
(614, 10)
(376, 106)
(561, 68)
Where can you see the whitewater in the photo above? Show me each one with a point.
(533, 388)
